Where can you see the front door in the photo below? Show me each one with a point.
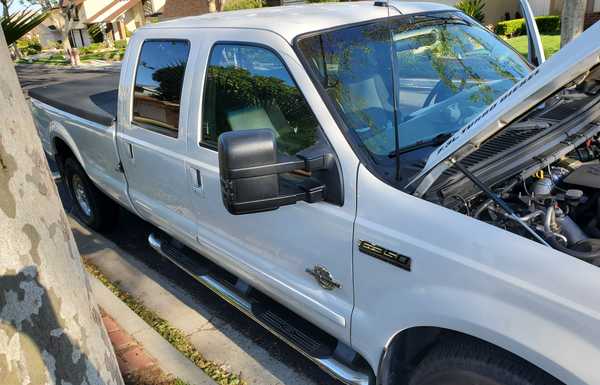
(250, 86)
(151, 136)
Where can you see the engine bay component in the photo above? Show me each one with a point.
(559, 205)
(588, 175)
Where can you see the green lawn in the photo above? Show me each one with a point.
(551, 44)
(59, 59)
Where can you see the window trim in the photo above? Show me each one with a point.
(208, 146)
(149, 126)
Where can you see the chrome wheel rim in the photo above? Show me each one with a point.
(80, 195)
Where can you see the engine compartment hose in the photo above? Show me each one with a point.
(588, 256)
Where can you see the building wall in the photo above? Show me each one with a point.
(180, 8)
(49, 37)
(158, 5)
(134, 17)
(90, 8)
(540, 7)
(495, 10)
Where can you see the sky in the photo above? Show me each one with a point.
(17, 5)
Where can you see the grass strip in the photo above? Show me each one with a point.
(174, 336)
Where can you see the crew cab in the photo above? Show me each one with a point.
(388, 187)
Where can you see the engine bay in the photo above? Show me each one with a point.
(540, 176)
(560, 202)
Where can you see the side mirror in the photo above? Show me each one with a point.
(249, 168)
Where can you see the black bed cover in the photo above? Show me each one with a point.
(93, 98)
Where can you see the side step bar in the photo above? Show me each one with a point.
(270, 320)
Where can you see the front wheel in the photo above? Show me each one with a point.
(90, 205)
(476, 363)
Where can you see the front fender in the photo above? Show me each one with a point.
(472, 278)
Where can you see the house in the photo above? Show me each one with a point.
(117, 18)
(495, 10)
(180, 8)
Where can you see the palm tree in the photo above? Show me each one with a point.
(18, 24)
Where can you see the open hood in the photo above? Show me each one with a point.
(566, 67)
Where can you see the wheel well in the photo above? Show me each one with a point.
(62, 152)
(410, 346)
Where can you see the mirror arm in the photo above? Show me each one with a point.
(286, 165)
(308, 194)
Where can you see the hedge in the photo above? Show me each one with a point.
(548, 25)
(234, 5)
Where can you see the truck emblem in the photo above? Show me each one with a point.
(385, 255)
(323, 277)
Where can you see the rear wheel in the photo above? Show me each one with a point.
(91, 206)
(476, 363)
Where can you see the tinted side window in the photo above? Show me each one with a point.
(249, 87)
(158, 84)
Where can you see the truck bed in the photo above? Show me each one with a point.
(93, 99)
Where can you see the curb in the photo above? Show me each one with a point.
(170, 360)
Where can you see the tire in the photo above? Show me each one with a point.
(90, 205)
(466, 362)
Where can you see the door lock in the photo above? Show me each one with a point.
(323, 277)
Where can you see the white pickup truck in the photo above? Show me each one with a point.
(388, 187)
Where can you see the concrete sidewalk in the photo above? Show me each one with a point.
(168, 358)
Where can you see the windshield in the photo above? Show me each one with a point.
(444, 70)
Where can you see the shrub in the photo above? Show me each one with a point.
(511, 28)
(547, 25)
(29, 46)
(91, 48)
(473, 8)
(119, 44)
(233, 5)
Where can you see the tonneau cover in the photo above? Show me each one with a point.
(93, 99)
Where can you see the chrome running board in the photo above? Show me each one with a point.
(298, 340)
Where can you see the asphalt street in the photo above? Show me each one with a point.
(131, 233)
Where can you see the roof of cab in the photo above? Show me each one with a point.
(291, 21)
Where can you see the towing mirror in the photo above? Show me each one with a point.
(250, 170)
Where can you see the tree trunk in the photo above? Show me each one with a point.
(4, 8)
(222, 5)
(212, 6)
(18, 54)
(572, 18)
(50, 327)
(66, 29)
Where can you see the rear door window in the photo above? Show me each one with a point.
(158, 85)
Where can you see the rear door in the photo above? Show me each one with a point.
(151, 136)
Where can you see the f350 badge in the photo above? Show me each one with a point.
(385, 255)
(323, 277)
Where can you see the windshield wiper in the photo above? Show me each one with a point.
(438, 140)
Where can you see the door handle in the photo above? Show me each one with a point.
(197, 184)
(130, 150)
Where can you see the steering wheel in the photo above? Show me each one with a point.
(442, 91)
